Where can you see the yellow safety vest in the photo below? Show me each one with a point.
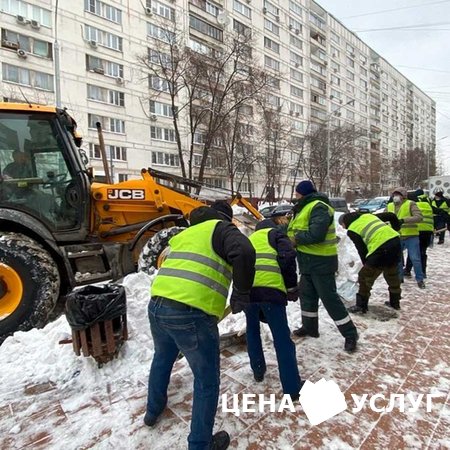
(427, 223)
(267, 270)
(373, 231)
(407, 229)
(193, 273)
(301, 223)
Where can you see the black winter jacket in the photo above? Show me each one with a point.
(319, 222)
(286, 260)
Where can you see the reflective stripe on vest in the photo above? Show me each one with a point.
(443, 206)
(268, 272)
(373, 231)
(301, 223)
(427, 223)
(193, 273)
(407, 229)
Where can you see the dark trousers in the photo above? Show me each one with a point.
(368, 274)
(196, 335)
(424, 243)
(276, 318)
(323, 286)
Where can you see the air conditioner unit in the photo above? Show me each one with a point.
(35, 24)
(153, 118)
(325, 63)
(297, 64)
(335, 70)
(93, 43)
(9, 44)
(148, 11)
(334, 55)
(277, 18)
(352, 55)
(264, 10)
(249, 1)
(279, 109)
(297, 31)
(297, 114)
(21, 20)
(99, 70)
(291, 27)
(119, 80)
(291, 113)
(21, 53)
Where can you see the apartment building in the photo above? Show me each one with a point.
(322, 73)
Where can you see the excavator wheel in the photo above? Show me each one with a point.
(29, 284)
(155, 250)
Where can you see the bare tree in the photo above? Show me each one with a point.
(411, 167)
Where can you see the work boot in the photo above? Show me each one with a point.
(421, 284)
(220, 441)
(361, 305)
(407, 274)
(303, 332)
(394, 301)
(258, 377)
(350, 343)
(149, 420)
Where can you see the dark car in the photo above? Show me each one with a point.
(282, 210)
(374, 204)
(267, 210)
(339, 204)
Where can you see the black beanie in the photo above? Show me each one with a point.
(224, 209)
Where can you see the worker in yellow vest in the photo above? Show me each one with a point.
(379, 248)
(426, 228)
(312, 231)
(409, 216)
(441, 209)
(275, 284)
(188, 297)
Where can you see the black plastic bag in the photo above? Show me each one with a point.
(92, 304)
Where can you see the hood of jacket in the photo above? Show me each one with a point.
(301, 203)
(401, 190)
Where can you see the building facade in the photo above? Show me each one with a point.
(323, 76)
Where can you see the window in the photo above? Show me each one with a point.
(28, 11)
(103, 38)
(104, 95)
(295, 25)
(109, 124)
(295, 41)
(123, 177)
(270, 8)
(205, 28)
(298, 126)
(103, 10)
(273, 100)
(295, 7)
(156, 57)
(272, 63)
(296, 91)
(318, 67)
(159, 84)
(349, 88)
(318, 83)
(363, 84)
(296, 108)
(217, 183)
(162, 134)
(161, 109)
(296, 59)
(296, 75)
(350, 115)
(104, 67)
(198, 160)
(26, 77)
(160, 9)
(240, 28)
(350, 61)
(242, 9)
(335, 38)
(272, 45)
(335, 80)
(335, 66)
(270, 26)
(316, 20)
(350, 75)
(14, 40)
(165, 159)
(318, 114)
(335, 94)
(160, 33)
(350, 49)
(363, 72)
(316, 98)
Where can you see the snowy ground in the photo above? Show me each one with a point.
(50, 398)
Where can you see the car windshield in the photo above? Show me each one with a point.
(374, 202)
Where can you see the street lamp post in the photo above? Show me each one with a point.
(328, 180)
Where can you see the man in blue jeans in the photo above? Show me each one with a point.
(409, 216)
(188, 297)
(275, 283)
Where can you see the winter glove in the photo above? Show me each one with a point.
(238, 301)
(292, 294)
(401, 222)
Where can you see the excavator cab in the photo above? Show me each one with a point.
(41, 172)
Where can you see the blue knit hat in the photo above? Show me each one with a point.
(305, 187)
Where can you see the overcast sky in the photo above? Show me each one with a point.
(421, 48)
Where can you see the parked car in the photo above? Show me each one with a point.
(358, 202)
(339, 204)
(373, 205)
(282, 210)
(267, 210)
